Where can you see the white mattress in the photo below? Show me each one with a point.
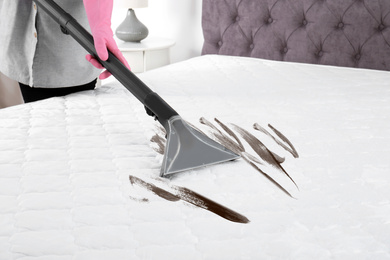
(65, 165)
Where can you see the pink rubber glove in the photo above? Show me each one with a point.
(99, 17)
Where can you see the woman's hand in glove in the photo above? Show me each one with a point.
(99, 17)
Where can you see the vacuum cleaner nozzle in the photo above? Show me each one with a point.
(188, 149)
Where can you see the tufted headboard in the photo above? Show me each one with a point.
(350, 33)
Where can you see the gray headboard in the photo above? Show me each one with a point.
(350, 33)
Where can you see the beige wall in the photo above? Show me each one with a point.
(9, 92)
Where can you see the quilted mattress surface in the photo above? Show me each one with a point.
(79, 175)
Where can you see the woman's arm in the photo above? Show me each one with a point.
(99, 17)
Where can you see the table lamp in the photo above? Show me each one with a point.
(131, 29)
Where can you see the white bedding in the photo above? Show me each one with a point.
(65, 165)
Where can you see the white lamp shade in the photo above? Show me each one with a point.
(131, 3)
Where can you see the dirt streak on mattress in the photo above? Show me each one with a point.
(153, 188)
(285, 139)
(160, 141)
(205, 203)
(291, 149)
(193, 198)
(139, 199)
(263, 151)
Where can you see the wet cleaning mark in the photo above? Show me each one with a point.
(229, 139)
(192, 197)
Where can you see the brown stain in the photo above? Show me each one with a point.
(285, 139)
(139, 199)
(236, 146)
(290, 148)
(160, 141)
(262, 151)
(222, 138)
(268, 177)
(201, 201)
(153, 188)
(278, 158)
(162, 130)
(193, 198)
(260, 148)
(256, 126)
(230, 132)
(204, 121)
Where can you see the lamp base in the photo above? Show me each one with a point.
(131, 29)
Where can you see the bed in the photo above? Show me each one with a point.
(79, 175)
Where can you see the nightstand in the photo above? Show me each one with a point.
(148, 54)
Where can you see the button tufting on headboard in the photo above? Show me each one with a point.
(381, 27)
(351, 33)
(357, 56)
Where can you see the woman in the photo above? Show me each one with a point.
(46, 62)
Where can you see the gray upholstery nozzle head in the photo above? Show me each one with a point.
(187, 149)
